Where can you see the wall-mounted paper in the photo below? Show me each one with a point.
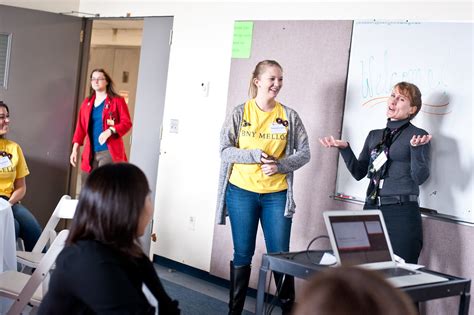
(242, 42)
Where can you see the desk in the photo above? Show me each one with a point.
(7, 237)
(299, 265)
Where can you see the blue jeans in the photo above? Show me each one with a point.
(245, 210)
(26, 226)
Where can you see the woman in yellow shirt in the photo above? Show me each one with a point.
(262, 143)
(13, 170)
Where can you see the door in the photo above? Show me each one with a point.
(150, 100)
(41, 92)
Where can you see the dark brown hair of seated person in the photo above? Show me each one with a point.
(2, 104)
(354, 291)
(110, 206)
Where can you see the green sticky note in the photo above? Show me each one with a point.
(242, 42)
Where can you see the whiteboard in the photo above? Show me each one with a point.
(438, 58)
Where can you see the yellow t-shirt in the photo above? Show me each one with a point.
(12, 166)
(260, 130)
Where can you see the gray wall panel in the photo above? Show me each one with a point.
(314, 56)
(41, 95)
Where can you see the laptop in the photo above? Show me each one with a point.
(361, 238)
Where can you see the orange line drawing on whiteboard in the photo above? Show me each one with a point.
(436, 114)
(432, 105)
(436, 109)
(374, 101)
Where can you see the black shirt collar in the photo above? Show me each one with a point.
(393, 124)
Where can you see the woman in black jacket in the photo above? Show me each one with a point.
(102, 269)
(396, 159)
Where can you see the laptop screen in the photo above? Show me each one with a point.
(359, 239)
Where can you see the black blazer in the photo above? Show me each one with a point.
(93, 278)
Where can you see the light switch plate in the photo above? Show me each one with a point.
(174, 124)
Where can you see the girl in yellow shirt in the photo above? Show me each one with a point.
(13, 170)
(262, 143)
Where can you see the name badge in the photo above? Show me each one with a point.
(380, 161)
(277, 128)
(110, 122)
(5, 162)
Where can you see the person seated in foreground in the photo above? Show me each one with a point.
(352, 290)
(102, 268)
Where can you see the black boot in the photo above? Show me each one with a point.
(239, 282)
(286, 292)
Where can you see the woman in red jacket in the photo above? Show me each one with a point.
(103, 121)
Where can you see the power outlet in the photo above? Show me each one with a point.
(174, 124)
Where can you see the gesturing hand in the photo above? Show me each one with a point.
(418, 140)
(329, 142)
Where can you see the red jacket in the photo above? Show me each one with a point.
(114, 108)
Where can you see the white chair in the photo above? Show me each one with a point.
(64, 210)
(26, 289)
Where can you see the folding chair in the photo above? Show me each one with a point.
(26, 289)
(64, 210)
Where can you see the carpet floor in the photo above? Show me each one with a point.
(195, 303)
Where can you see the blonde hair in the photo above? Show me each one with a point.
(259, 69)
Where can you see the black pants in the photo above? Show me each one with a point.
(403, 223)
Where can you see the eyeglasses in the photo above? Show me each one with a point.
(282, 122)
(97, 79)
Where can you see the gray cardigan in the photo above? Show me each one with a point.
(297, 154)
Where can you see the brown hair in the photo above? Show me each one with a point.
(412, 92)
(257, 72)
(352, 290)
(109, 209)
(110, 89)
